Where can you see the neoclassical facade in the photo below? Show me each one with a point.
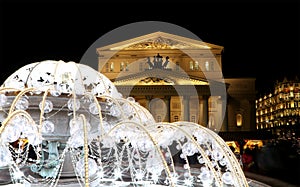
(180, 79)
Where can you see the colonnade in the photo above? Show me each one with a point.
(199, 114)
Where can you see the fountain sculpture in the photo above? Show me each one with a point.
(64, 123)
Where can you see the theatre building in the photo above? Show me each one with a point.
(180, 79)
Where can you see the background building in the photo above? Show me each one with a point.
(279, 111)
(176, 77)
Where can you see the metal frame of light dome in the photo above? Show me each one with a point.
(135, 144)
(13, 113)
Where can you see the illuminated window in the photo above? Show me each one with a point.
(196, 66)
(209, 66)
(239, 120)
(191, 65)
(122, 66)
(206, 66)
(111, 67)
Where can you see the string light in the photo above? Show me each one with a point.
(77, 125)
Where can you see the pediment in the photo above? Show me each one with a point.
(159, 40)
(159, 77)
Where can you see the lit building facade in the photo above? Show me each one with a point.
(280, 109)
(180, 79)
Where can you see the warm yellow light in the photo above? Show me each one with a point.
(239, 120)
(253, 143)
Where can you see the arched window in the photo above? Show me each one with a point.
(196, 66)
(112, 67)
(239, 120)
(191, 65)
(207, 68)
(122, 66)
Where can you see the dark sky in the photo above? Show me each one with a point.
(261, 40)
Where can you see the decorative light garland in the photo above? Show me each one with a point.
(111, 140)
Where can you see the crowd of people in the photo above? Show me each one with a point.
(246, 158)
(278, 158)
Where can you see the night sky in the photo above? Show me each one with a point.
(261, 40)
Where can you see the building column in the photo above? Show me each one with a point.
(223, 101)
(203, 110)
(148, 99)
(167, 102)
(186, 107)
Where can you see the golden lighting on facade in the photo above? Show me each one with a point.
(239, 120)
(280, 108)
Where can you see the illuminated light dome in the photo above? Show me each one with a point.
(61, 78)
(65, 123)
